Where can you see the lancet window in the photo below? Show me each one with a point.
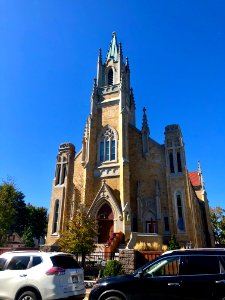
(110, 76)
(108, 145)
(61, 170)
(56, 217)
(180, 212)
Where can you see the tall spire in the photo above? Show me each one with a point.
(113, 48)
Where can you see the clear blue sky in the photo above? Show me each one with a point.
(48, 58)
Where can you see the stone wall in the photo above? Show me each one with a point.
(131, 260)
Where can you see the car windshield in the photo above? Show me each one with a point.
(145, 266)
(2, 263)
(160, 267)
(164, 267)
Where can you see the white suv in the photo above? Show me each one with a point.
(34, 275)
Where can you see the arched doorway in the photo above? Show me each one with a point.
(105, 223)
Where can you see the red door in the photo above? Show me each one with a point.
(105, 223)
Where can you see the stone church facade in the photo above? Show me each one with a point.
(122, 177)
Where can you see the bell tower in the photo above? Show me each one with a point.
(105, 143)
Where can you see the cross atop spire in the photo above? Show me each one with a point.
(113, 48)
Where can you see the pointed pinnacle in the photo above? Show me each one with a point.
(145, 127)
(100, 55)
(127, 62)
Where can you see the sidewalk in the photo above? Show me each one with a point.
(87, 293)
(89, 284)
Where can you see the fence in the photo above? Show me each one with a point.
(94, 263)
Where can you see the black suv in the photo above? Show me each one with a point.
(190, 274)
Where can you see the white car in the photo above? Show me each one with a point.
(35, 275)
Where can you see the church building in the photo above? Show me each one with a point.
(123, 178)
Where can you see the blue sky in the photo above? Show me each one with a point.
(48, 58)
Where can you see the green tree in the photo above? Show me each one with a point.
(16, 216)
(20, 217)
(37, 220)
(173, 244)
(8, 198)
(79, 235)
(217, 216)
(27, 237)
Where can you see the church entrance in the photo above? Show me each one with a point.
(105, 223)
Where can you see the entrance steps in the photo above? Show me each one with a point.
(99, 248)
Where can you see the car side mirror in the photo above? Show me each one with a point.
(140, 274)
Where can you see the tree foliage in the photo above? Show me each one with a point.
(173, 244)
(17, 216)
(27, 237)
(37, 220)
(79, 235)
(217, 216)
(113, 268)
(8, 198)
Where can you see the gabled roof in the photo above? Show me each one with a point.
(194, 178)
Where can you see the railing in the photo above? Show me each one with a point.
(94, 263)
(113, 243)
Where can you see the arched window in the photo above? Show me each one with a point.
(58, 170)
(61, 170)
(110, 77)
(171, 163)
(55, 217)
(179, 166)
(63, 173)
(108, 146)
(180, 213)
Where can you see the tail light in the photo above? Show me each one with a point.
(56, 271)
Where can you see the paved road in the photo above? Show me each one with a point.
(87, 293)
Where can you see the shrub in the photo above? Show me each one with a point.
(173, 244)
(113, 268)
(143, 246)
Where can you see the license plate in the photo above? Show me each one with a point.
(74, 279)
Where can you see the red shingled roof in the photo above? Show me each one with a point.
(194, 178)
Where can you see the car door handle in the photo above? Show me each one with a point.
(173, 284)
(220, 281)
(23, 275)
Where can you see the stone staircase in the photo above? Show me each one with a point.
(99, 248)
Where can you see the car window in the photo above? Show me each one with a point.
(65, 262)
(2, 263)
(36, 260)
(165, 267)
(198, 264)
(18, 263)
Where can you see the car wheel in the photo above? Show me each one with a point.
(28, 295)
(113, 297)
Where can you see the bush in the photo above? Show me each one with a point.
(143, 246)
(173, 244)
(113, 268)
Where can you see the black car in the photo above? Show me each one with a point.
(190, 274)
